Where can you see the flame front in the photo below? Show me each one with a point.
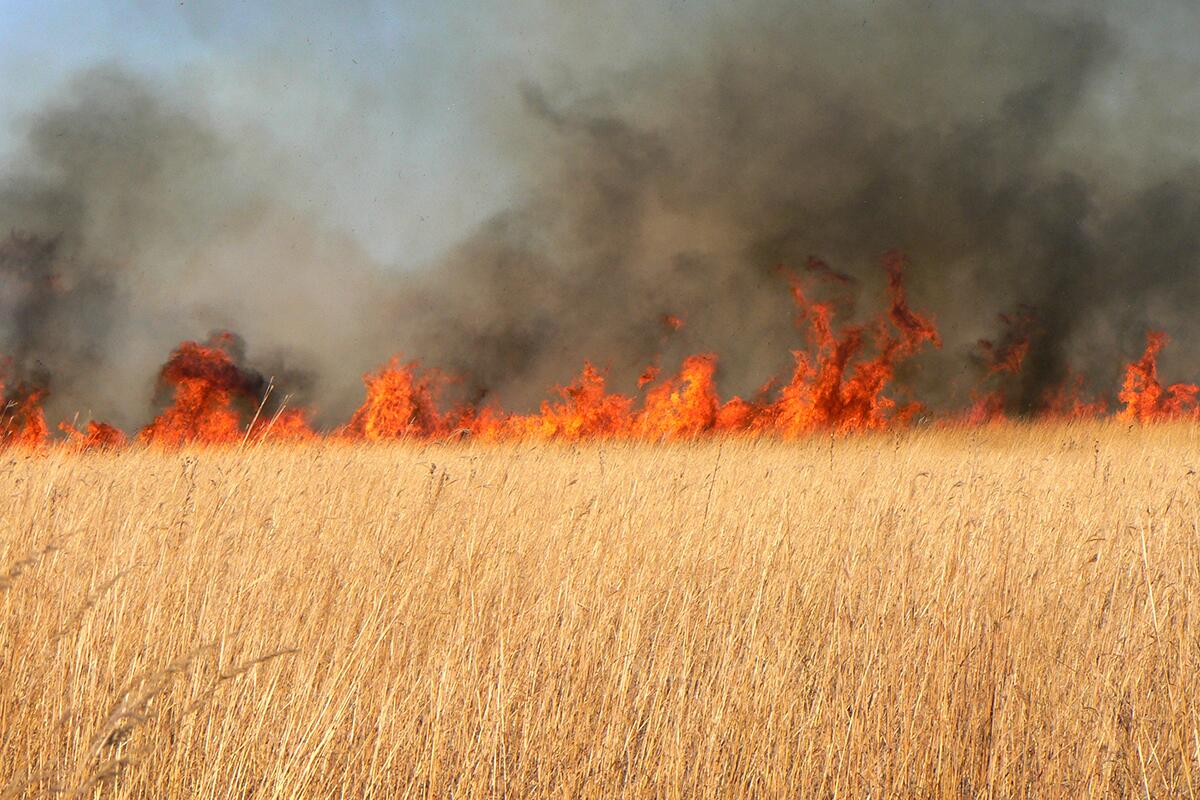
(98, 436)
(22, 421)
(1147, 400)
(841, 381)
(839, 384)
(401, 403)
(207, 387)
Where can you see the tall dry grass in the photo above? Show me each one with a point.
(1008, 612)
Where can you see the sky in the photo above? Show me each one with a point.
(381, 115)
(378, 112)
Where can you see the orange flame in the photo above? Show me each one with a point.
(22, 421)
(207, 387)
(401, 403)
(684, 406)
(1145, 399)
(672, 322)
(649, 375)
(842, 381)
(289, 424)
(98, 436)
(205, 381)
(586, 410)
(833, 387)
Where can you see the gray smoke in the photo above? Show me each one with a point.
(841, 131)
(980, 139)
(134, 225)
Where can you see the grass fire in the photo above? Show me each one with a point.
(841, 383)
(620, 400)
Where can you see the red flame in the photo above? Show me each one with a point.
(1067, 402)
(1001, 361)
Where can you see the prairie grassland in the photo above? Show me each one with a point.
(1004, 612)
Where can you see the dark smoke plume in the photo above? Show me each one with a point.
(970, 136)
(839, 131)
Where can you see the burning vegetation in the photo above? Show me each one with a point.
(22, 421)
(842, 381)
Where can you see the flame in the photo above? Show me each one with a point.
(842, 381)
(586, 409)
(1001, 361)
(401, 403)
(649, 375)
(288, 424)
(1066, 402)
(208, 386)
(1145, 399)
(1008, 356)
(834, 386)
(22, 421)
(671, 323)
(98, 436)
(205, 381)
(837, 385)
(684, 406)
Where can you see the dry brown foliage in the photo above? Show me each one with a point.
(1005, 612)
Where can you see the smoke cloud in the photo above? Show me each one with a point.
(980, 139)
(134, 225)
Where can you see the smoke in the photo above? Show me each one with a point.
(1019, 153)
(135, 225)
(950, 131)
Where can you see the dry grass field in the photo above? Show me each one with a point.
(1001, 612)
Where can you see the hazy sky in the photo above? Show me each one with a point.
(377, 112)
(381, 114)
